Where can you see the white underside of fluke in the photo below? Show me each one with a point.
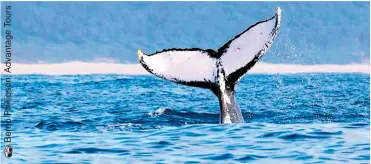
(183, 65)
(197, 65)
(244, 48)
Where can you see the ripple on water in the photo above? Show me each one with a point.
(93, 150)
(221, 157)
(250, 158)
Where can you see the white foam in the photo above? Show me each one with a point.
(158, 112)
(74, 68)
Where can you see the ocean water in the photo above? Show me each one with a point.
(292, 118)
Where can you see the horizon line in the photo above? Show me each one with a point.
(80, 68)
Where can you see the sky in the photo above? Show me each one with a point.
(311, 32)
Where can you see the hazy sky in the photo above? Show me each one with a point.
(311, 32)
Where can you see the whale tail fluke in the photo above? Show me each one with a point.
(197, 67)
(217, 70)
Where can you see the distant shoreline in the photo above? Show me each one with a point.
(81, 68)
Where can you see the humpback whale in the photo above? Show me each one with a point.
(218, 70)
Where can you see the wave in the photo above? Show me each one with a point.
(83, 68)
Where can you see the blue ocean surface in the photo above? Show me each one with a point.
(292, 118)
